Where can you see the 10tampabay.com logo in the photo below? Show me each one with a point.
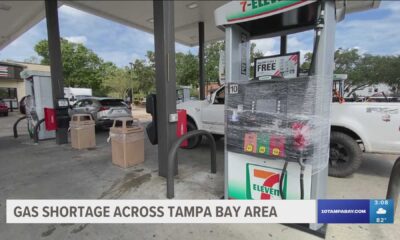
(355, 211)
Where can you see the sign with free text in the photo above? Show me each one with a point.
(285, 66)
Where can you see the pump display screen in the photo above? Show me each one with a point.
(264, 105)
(62, 102)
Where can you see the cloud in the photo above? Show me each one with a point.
(71, 12)
(185, 49)
(392, 6)
(302, 43)
(374, 32)
(294, 42)
(268, 46)
(23, 47)
(77, 39)
(381, 211)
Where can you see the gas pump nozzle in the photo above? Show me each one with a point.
(301, 145)
(283, 175)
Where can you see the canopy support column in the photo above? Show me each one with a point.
(283, 44)
(201, 61)
(56, 69)
(164, 38)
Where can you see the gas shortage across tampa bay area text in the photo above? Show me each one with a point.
(144, 211)
(153, 211)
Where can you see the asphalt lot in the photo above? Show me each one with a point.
(50, 171)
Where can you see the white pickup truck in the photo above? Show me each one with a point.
(356, 127)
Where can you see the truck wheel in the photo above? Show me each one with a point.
(344, 155)
(193, 142)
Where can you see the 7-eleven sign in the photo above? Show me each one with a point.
(263, 182)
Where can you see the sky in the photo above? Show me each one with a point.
(374, 32)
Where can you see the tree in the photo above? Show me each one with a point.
(254, 53)
(362, 72)
(118, 81)
(305, 66)
(363, 69)
(346, 60)
(389, 69)
(211, 60)
(187, 69)
(81, 66)
(107, 70)
(144, 75)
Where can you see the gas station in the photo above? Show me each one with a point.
(278, 127)
(285, 17)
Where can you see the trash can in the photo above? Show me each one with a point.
(82, 128)
(127, 142)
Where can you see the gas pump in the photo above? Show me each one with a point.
(277, 125)
(38, 97)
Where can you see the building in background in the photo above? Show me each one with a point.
(12, 86)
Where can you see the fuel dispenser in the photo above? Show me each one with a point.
(277, 124)
(38, 97)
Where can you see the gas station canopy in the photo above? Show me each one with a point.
(17, 17)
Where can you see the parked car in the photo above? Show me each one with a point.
(3, 108)
(103, 110)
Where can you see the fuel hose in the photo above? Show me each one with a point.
(283, 174)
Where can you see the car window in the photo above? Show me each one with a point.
(85, 103)
(112, 103)
(78, 104)
(220, 97)
(88, 102)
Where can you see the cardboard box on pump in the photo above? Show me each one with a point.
(82, 131)
(127, 142)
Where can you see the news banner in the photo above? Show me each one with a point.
(377, 211)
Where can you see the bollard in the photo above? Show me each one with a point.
(172, 157)
(15, 130)
(35, 131)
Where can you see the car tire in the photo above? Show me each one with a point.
(344, 155)
(193, 142)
